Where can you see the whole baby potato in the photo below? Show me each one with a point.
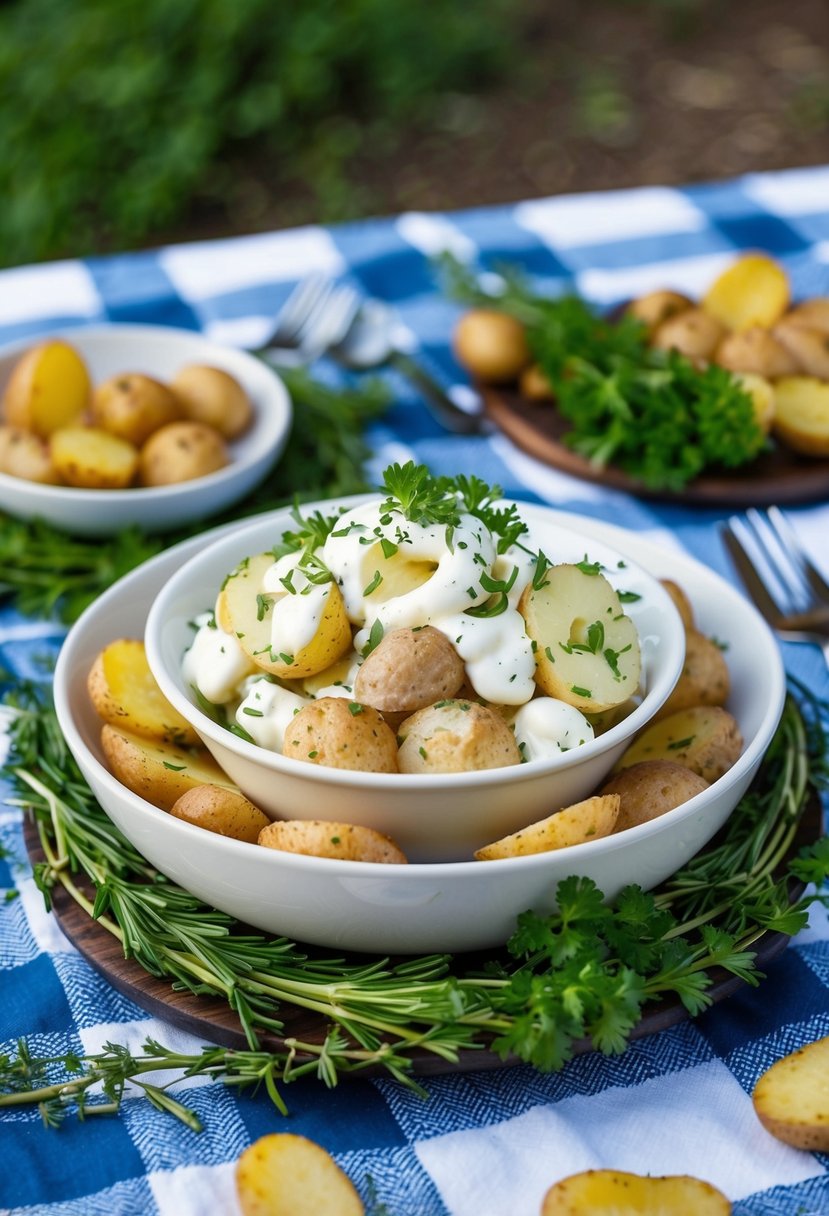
(338, 733)
(23, 454)
(756, 350)
(211, 395)
(491, 345)
(704, 679)
(181, 451)
(694, 333)
(226, 812)
(657, 306)
(133, 406)
(456, 737)
(410, 668)
(651, 788)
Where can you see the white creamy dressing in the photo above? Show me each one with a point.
(215, 663)
(265, 711)
(545, 726)
(296, 616)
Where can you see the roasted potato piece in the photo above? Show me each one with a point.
(587, 649)
(181, 451)
(681, 602)
(649, 789)
(705, 738)
(658, 306)
(91, 459)
(754, 290)
(761, 393)
(808, 349)
(704, 679)
(756, 350)
(694, 333)
(534, 385)
(341, 734)
(124, 693)
(221, 810)
(24, 454)
(49, 388)
(491, 345)
(286, 1175)
(244, 611)
(408, 669)
(213, 396)
(616, 1193)
(342, 841)
(814, 314)
(791, 1098)
(159, 772)
(133, 406)
(588, 820)
(455, 737)
(801, 415)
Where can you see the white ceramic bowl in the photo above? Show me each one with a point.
(432, 817)
(157, 351)
(419, 908)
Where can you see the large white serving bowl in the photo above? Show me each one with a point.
(432, 817)
(157, 351)
(453, 906)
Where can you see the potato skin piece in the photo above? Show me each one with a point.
(181, 451)
(650, 789)
(159, 772)
(340, 841)
(704, 679)
(598, 1192)
(589, 819)
(283, 1174)
(223, 811)
(409, 669)
(338, 733)
(90, 458)
(211, 395)
(133, 406)
(791, 1098)
(124, 693)
(705, 738)
(456, 737)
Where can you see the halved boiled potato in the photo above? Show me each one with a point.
(588, 820)
(587, 649)
(754, 290)
(801, 415)
(49, 387)
(124, 692)
(283, 1174)
(617, 1193)
(91, 459)
(705, 738)
(245, 611)
(791, 1098)
(159, 772)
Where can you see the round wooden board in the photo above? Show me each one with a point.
(778, 476)
(212, 1019)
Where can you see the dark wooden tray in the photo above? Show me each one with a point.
(213, 1020)
(778, 476)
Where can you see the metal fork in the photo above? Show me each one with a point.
(316, 316)
(784, 584)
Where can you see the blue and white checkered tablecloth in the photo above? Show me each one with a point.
(488, 1143)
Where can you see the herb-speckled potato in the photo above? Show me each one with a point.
(341, 734)
(223, 811)
(791, 1099)
(181, 451)
(341, 841)
(650, 788)
(602, 1192)
(705, 738)
(588, 820)
(124, 693)
(24, 454)
(213, 396)
(133, 406)
(456, 737)
(704, 679)
(159, 772)
(408, 669)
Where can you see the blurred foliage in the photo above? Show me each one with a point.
(114, 116)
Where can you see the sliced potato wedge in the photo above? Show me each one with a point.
(159, 772)
(801, 415)
(587, 649)
(588, 820)
(753, 290)
(791, 1098)
(616, 1193)
(342, 841)
(124, 692)
(705, 738)
(287, 1175)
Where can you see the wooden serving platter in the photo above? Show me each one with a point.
(212, 1019)
(778, 476)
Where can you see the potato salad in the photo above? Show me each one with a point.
(417, 632)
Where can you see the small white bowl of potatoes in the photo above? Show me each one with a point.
(106, 426)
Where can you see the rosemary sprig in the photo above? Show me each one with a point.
(45, 572)
(585, 971)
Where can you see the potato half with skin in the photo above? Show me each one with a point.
(587, 649)
(340, 841)
(215, 808)
(658, 306)
(694, 333)
(243, 610)
(705, 738)
(408, 669)
(650, 789)
(124, 693)
(617, 1193)
(456, 736)
(24, 454)
(133, 406)
(91, 459)
(704, 679)
(49, 387)
(337, 733)
(756, 350)
(491, 345)
(791, 1099)
(754, 290)
(181, 451)
(588, 820)
(211, 395)
(159, 772)
(801, 415)
(808, 349)
(283, 1174)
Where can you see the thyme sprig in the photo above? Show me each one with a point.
(585, 971)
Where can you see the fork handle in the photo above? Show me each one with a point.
(438, 402)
